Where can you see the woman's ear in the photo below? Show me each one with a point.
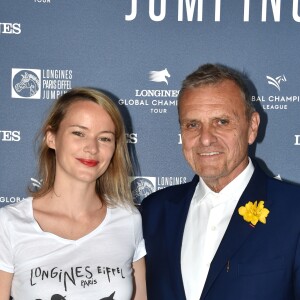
(50, 139)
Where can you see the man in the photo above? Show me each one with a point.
(232, 233)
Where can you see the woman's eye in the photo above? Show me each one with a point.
(78, 133)
(105, 139)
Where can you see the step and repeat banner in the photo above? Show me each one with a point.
(139, 51)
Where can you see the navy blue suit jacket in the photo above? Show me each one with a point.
(264, 262)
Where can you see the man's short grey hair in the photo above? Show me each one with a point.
(210, 74)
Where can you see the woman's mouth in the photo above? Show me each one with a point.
(88, 162)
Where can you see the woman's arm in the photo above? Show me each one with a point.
(5, 285)
(139, 274)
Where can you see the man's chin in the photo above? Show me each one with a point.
(209, 172)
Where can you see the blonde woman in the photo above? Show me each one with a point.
(79, 236)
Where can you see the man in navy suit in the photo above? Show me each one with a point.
(232, 233)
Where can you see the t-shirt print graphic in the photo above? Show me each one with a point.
(54, 297)
(60, 297)
(111, 297)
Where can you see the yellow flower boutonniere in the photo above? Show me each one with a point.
(253, 212)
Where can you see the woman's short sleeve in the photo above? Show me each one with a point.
(6, 253)
(140, 250)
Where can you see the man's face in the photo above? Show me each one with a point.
(216, 132)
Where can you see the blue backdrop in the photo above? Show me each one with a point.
(139, 51)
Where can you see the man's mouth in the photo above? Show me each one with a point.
(209, 153)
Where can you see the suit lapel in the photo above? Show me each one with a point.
(238, 230)
(177, 210)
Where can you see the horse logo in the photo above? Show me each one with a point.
(276, 81)
(26, 83)
(159, 76)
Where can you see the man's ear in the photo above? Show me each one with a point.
(253, 127)
(50, 139)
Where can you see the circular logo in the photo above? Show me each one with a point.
(141, 188)
(26, 83)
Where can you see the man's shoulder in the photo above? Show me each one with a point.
(275, 186)
(281, 187)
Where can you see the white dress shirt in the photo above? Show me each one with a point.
(208, 218)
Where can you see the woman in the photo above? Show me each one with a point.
(79, 236)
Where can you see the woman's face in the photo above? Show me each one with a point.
(84, 143)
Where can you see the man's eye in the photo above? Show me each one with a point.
(192, 125)
(223, 121)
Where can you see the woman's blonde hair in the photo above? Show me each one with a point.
(113, 186)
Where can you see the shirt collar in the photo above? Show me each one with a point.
(233, 190)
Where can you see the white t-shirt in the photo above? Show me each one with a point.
(47, 267)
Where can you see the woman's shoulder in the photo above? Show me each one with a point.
(128, 210)
(18, 208)
(128, 214)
